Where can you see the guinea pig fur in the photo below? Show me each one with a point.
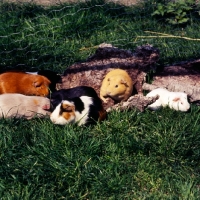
(64, 94)
(22, 106)
(51, 75)
(117, 85)
(23, 83)
(175, 100)
(81, 110)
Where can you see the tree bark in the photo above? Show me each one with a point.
(139, 102)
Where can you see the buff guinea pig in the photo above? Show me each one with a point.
(117, 85)
(175, 100)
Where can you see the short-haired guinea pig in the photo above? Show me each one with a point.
(23, 83)
(82, 110)
(175, 100)
(64, 94)
(54, 77)
(117, 85)
(22, 106)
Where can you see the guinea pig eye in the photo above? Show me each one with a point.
(116, 86)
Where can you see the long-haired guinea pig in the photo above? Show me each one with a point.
(175, 100)
(23, 83)
(64, 94)
(22, 106)
(117, 85)
(82, 110)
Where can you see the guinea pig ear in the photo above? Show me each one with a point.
(67, 107)
(176, 99)
(37, 83)
(124, 82)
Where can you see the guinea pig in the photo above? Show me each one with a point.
(117, 85)
(51, 75)
(22, 106)
(23, 83)
(82, 110)
(175, 100)
(64, 94)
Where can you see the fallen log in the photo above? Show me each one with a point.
(107, 57)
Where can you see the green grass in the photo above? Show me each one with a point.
(132, 155)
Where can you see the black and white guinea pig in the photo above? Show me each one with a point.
(175, 100)
(82, 110)
(65, 94)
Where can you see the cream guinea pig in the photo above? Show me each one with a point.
(175, 100)
(117, 85)
(22, 106)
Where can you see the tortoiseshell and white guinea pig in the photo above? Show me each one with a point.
(64, 94)
(82, 110)
(175, 100)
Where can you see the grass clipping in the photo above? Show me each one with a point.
(164, 35)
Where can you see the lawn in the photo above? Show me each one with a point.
(132, 155)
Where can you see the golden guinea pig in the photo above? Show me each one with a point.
(117, 85)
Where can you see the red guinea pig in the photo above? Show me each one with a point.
(24, 83)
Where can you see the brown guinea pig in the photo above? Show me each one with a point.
(23, 83)
(117, 85)
(54, 77)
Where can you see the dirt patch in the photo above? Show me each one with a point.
(57, 2)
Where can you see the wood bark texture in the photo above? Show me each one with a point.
(139, 102)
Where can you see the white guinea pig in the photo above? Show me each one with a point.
(82, 110)
(175, 100)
